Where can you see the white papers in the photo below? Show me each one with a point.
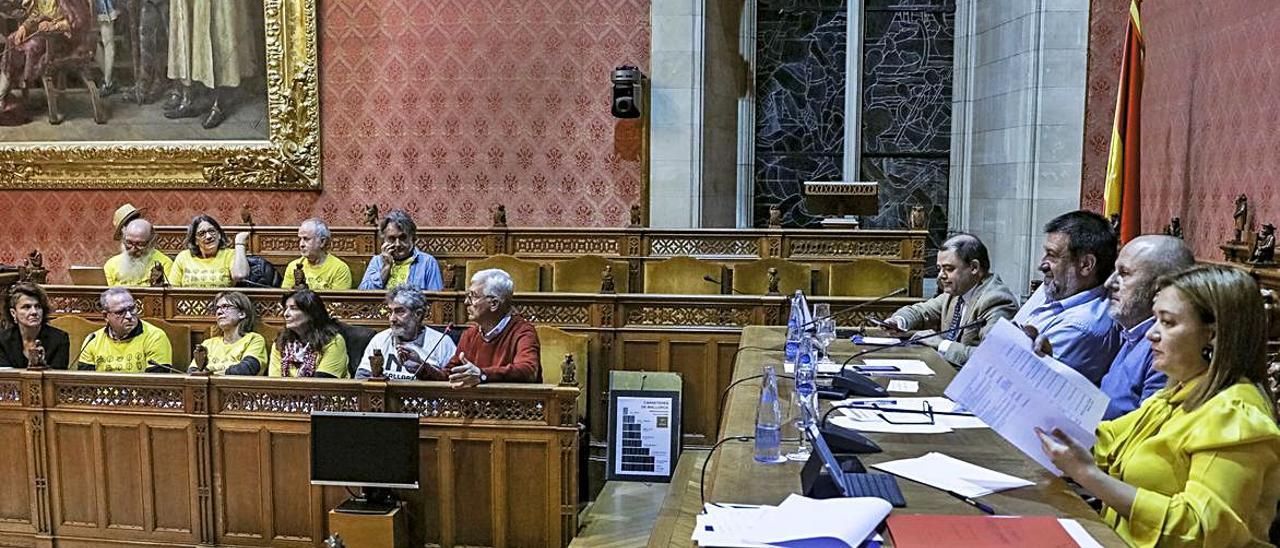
(1010, 388)
(899, 385)
(877, 341)
(894, 367)
(829, 368)
(904, 415)
(951, 474)
(837, 521)
(1079, 534)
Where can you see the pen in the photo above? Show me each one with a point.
(971, 502)
(876, 367)
(873, 402)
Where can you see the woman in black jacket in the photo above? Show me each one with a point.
(27, 332)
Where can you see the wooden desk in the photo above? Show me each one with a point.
(91, 459)
(732, 475)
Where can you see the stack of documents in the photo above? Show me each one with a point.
(878, 415)
(798, 521)
(1015, 391)
(952, 474)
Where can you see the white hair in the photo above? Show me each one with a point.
(496, 283)
(319, 227)
(112, 292)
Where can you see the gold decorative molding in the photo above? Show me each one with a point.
(119, 396)
(738, 247)
(294, 403)
(462, 408)
(10, 394)
(288, 159)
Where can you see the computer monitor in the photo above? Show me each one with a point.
(376, 450)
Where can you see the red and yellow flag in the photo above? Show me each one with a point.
(1123, 194)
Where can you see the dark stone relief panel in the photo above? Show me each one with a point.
(906, 81)
(800, 93)
(907, 182)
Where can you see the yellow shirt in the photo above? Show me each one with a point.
(400, 272)
(1209, 477)
(112, 270)
(191, 271)
(332, 360)
(223, 355)
(127, 356)
(333, 273)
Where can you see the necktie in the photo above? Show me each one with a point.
(955, 319)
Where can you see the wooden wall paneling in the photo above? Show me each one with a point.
(475, 507)
(294, 502)
(16, 508)
(122, 478)
(74, 479)
(526, 477)
(240, 462)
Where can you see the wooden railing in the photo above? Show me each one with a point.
(96, 458)
(454, 246)
(694, 335)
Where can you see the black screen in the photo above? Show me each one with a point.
(371, 449)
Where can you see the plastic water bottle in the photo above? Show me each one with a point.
(769, 420)
(806, 368)
(793, 330)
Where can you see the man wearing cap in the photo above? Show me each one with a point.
(138, 255)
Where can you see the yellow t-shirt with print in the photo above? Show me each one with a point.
(332, 360)
(192, 271)
(400, 272)
(223, 355)
(333, 273)
(112, 270)
(127, 356)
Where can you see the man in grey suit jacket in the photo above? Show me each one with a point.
(970, 292)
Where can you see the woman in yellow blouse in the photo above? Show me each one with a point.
(310, 344)
(238, 350)
(1198, 464)
(208, 261)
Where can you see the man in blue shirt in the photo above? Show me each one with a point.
(1131, 289)
(401, 263)
(1069, 310)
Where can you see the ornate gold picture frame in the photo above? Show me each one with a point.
(289, 157)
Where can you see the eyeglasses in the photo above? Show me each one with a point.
(131, 310)
(207, 232)
(130, 244)
(225, 306)
(472, 297)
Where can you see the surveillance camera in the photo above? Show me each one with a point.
(627, 92)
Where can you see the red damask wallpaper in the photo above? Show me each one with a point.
(1210, 116)
(440, 107)
(1209, 112)
(1107, 21)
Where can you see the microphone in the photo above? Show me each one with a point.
(721, 284)
(911, 340)
(155, 367)
(443, 334)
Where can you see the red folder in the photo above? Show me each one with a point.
(932, 531)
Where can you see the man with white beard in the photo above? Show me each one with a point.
(138, 255)
(407, 345)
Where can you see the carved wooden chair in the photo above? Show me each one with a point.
(584, 275)
(77, 329)
(179, 340)
(866, 278)
(527, 275)
(753, 278)
(684, 276)
(555, 345)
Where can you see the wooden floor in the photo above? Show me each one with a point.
(625, 512)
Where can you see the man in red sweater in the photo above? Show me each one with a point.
(501, 346)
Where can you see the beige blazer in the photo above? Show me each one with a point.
(992, 300)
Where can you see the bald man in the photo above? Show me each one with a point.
(1130, 290)
(138, 253)
(970, 292)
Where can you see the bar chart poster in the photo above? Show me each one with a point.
(644, 436)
